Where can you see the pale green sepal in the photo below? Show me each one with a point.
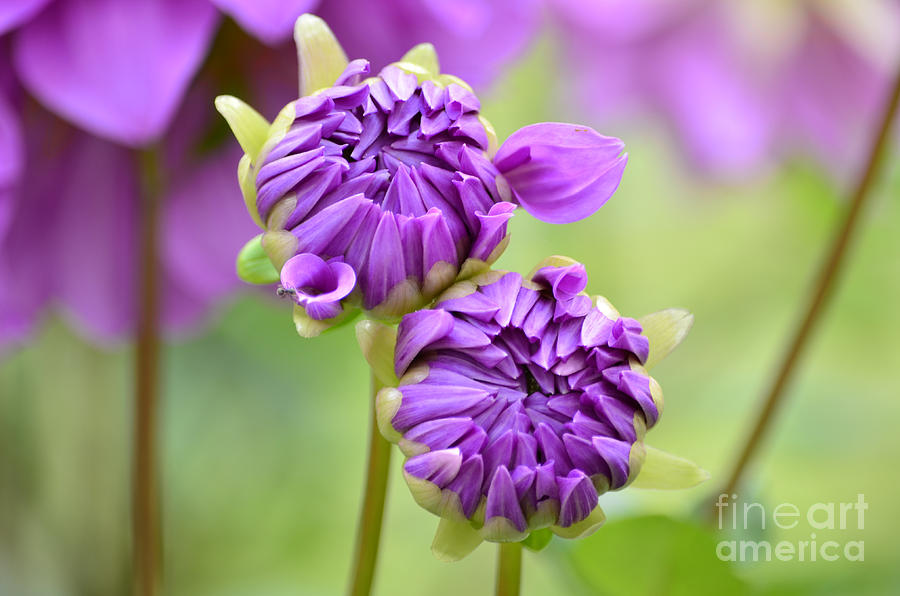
(403, 298)
(422, 75)
(427, 494)
(387, 402)
(666, 471)
(280, 246)
(500, 529)
(253, 264)
(424, 56)
(636, 458)
(281, 124)
(308, 327)
(665, 330)
(584, 528)
(454, 540)
(320, 56)
(473, 267)
(448, 79)
(493, 143)
(602, 304)
(538, 540)
(247, 181)
(438, 278)
(249, 127)
(377, 342)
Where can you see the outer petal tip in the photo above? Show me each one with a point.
(248, 126)
(377, 342)
(424, 56)
(320, 55)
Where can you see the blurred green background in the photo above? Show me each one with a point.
(264, 434)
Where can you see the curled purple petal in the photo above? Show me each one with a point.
(317, 285)
(561, 173)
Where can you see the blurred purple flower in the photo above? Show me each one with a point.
(474, 38)
(741, 84)
(120, 70)
(73, 236)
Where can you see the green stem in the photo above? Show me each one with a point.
(368, 532)
(827, 279)
(146, 547)
(509, 569)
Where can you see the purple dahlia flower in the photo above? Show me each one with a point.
(519, 402)
(393, 176)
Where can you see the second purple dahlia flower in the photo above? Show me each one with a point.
(394, 177)
(520, 401)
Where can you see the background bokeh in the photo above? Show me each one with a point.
(263, 433)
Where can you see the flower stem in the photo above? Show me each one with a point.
(509, 569)
(145, 491)
(368, 532)
(827, 279)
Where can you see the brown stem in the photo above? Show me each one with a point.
(368, 532)
(145, 494)
(827, 280)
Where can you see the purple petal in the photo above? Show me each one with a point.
(583, 455)
(386, 267)
(199, 250)
(271, 21)
(626, 335)
(615, 453)
(422, 402)
(561, 173)
(439, 467)
(439, 434)
(473, 38)
(596, 329)
(416, 331)
(316, 285)
(15, 12)
(504, 292)
(577, 497)
(492, 230)
(467, 484)
(502, 500)
(116, 69)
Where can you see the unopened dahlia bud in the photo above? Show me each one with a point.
(521, 401)
(392, 175)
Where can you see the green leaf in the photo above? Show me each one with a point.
(654, 556)
(253, 264)
(667, 471)
(665, 330)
